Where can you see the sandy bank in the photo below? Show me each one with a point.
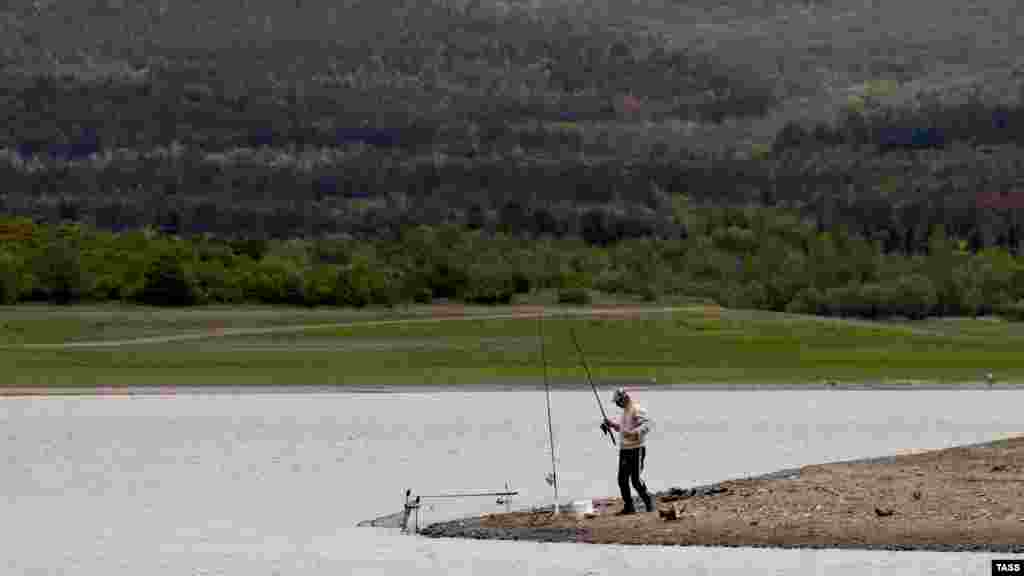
(968, 498)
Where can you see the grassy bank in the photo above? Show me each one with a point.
(699, 344)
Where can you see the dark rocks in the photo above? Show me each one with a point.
(672, 514)
(471, 528)
(676, 493)
(681, 494)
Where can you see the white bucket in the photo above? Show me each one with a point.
(582, 507)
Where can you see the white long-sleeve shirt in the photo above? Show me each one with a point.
(634, 419)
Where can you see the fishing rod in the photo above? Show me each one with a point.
(551, 430)
(583, 359)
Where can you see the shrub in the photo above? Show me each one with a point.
(780, 290)
(388, 286)
(735, 239)
(521, 282)
(916, 295)
(9, 289)
(359, 285)
(490, 288)
(612, 281)
(107, 287)
(808, 301)
(275, 281)
(30, 288)
(876, 300)
(59, 272)
(575, 279)
(1017, 281)
(216, 283)
(650, 292)
(971, 302)
(416, 289)
(254, 248)
(578, 296)
(414, 278)
(1012, 311)
(490, 282)
(321, 284)
(208, 250)
(448, 280)
(748, 295)
(331, 252)
(166, 282)
(843, 301)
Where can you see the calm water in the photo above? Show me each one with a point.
(275, 483)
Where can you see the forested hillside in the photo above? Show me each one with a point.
(555, 122)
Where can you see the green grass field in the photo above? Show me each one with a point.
(694, 346)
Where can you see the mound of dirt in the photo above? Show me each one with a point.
(968, 498)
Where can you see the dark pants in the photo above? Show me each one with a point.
(631, 463)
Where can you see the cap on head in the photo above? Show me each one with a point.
(620, 397)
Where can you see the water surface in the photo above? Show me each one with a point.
(274, 483)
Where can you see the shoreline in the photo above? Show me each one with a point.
(220, 389)
(876, 503)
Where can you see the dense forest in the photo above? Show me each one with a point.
(897, 190)
(319, 168)
(182, 157)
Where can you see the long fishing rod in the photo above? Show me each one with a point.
(583, 359)
(551, 430)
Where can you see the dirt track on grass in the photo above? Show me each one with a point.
(443, 313)
(968, 498)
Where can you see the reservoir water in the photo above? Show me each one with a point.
(274, 484)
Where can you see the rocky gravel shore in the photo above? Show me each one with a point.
(962, 499)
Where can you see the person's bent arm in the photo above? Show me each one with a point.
(641, 424)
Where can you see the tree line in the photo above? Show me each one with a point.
(760, 258)
(897, 198)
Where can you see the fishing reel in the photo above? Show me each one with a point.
(507, 498)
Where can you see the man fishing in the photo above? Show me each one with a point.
(633, 429)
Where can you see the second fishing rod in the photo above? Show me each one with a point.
(586, 368)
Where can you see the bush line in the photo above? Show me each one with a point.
(757, 258)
